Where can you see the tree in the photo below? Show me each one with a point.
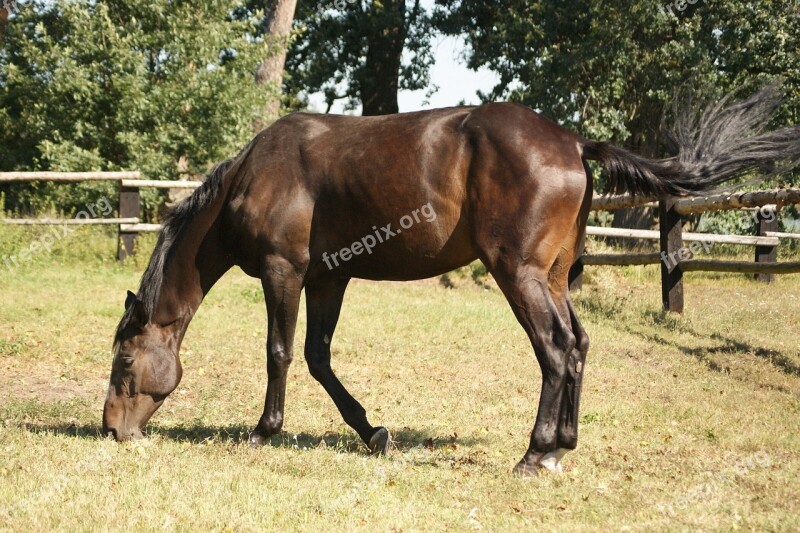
(277, 29)
(353, 50)
(151, 85)
(607, 69)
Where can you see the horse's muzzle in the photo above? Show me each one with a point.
(121, 435)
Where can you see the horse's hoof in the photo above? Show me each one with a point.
(256, 440)
(533, 464)
(526, 470)
(379, 442)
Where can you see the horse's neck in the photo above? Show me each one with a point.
(195, 264)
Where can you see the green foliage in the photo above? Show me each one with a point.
(727, 222)
(608, 68)
(162, 86)
(336, 41)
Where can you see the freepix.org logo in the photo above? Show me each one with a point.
(8, 5)
(380, 236)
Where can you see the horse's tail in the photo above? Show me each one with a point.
(723, 143)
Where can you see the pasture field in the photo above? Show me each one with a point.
(688, 422)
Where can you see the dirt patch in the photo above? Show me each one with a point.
(44, 383)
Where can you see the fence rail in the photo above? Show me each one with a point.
(700, 204)
(686, 237)
(68, 221)
(128, 223)
(158, 184)
(63, 177)
(674, 259)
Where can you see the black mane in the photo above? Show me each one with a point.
(177, 219)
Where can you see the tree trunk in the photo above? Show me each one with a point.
(387, 38)
(3, 20)
(277, 27)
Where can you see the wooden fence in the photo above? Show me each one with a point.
(130, 184)
(673, 257)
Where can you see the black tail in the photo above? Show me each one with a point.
(723, 143)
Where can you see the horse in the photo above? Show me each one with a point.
(316, 200)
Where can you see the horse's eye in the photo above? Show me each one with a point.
(127, 359)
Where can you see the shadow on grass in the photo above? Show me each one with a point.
(403, 440)
(774, 357)
(726, 345)
(82, 431)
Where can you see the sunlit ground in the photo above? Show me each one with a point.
(687, 422)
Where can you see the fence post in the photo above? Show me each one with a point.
(671, 227)
(765, 223)
(128, 208)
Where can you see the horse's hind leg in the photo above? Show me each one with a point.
(568, 424)
(282, 285)
(526, 288)
(324, 302)
(570, 403)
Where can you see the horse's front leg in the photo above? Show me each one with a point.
(282, 283)
(324, 302)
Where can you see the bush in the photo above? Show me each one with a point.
(159, 86)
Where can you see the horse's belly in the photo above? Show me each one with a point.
(401, 251)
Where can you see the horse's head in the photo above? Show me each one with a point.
(145, 370)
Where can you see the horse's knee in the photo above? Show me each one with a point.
(582, 338)
(317, 370)
(279, 357)
(578, 357)
(318, 366)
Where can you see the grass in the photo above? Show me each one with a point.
(688, 422)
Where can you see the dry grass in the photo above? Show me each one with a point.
(688, 422)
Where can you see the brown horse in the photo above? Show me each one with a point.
(316, 200)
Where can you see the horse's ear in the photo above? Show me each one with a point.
(139, 312)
